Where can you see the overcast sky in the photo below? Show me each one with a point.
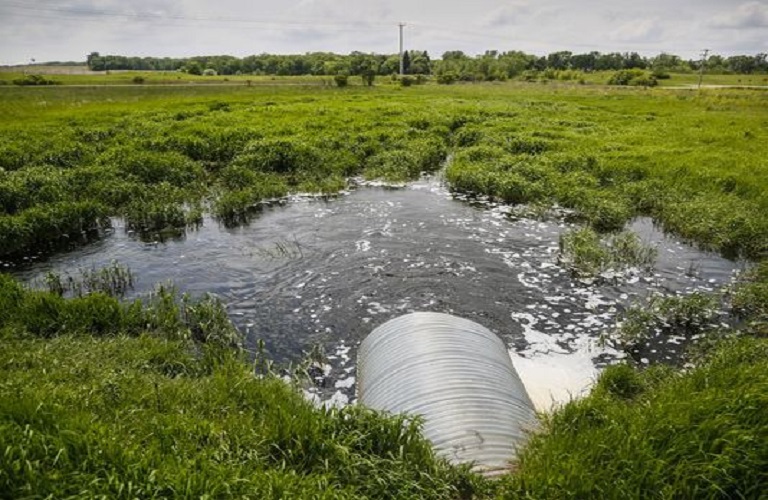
(49, 30)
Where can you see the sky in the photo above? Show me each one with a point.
(67, 30)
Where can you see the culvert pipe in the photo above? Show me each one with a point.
(456, 374)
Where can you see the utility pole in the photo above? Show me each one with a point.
(402, 68)
(701, 66)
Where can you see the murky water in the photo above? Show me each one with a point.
(328, 271)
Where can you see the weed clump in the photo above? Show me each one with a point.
(750, 298)
(587, 255)
(680, 316)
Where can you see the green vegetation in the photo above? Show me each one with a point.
(34, 80)
(677, 315)
(750, 299)
(153, 397)
(582, 251)
(658, 433)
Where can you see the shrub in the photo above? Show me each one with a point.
(635, 77)
(34, 80)
(447, 78)
(407, 80)
(138, 79)
(341, 80)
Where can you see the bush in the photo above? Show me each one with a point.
(636, 77)
(407, 81)
(34, 80)
(341, 80)
(138, 80)
(447, 78)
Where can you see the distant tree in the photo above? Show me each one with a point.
(454, 55)
(634, 60)
(419, 63)
(614, 61)
(391, 65)
(513, 63)
(194, 68)
(742, 64)
(667, 62)
(367, 68)
(406, 63)
(93, 60)
(585, 62)
(559, 60)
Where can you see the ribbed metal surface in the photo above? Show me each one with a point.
(455, 373)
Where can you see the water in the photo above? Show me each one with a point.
(314, 271)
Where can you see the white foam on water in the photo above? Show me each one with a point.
(554, 378)
(551, 373)
(363, 245)
(345, 383)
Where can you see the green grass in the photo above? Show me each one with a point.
(658, 434)
(154, 399)
(150, 398)
(140, 417)
(587, 255)
(79, 76)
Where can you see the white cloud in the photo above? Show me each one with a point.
(69, 29)
(746, 15)
(511, 13)
(640, 30)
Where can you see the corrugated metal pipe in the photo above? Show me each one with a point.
(456, 374)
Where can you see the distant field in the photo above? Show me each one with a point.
(81, 75)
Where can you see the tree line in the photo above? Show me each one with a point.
(491, 65)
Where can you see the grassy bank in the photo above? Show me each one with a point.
(659, 434)
(171, 407)
(100, 398)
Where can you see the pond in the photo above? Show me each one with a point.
(325, 272)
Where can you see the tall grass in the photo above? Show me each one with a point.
(153, 399)
(657, 433)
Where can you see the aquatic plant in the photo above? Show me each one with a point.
(586, 254)
(114, 280)
(673, 315)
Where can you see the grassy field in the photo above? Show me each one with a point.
(102, 397)
(80, 75)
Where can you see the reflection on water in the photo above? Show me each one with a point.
(327, 272)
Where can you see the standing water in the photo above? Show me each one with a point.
(327, 272)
